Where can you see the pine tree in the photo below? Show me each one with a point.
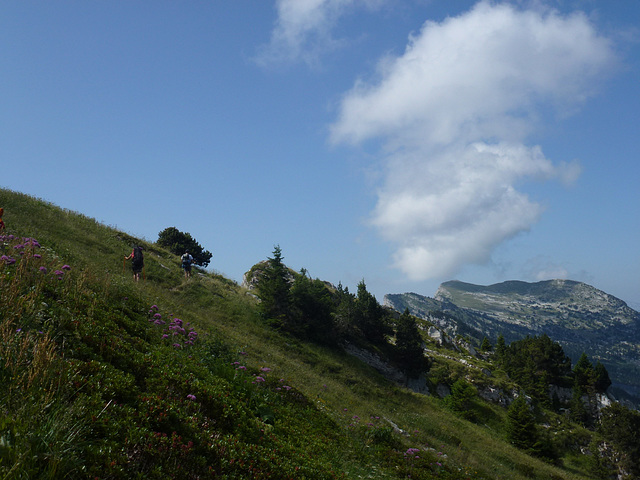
(485, 346)
(312, 309)
(344, 314)
(409, 344)
(521, 426)
(584, 375)
(602, 379)
(370, 318)
(577, 409)
(274, 290)
(461, 399)
(501, 348)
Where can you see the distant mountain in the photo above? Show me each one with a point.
(578, 316)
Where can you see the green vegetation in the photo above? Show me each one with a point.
(535, 363)
(105, 378)
(178, 243)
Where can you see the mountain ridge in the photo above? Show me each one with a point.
(579, 316)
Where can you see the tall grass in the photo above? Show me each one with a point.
(100, 380)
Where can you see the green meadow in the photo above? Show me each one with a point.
(106, 378)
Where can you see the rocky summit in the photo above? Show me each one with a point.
(578, 316)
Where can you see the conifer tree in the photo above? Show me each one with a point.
(521, 426)
(370, 318)
(312, 309)
(602, 379)
(501, 348)
(344, 314)
(485, 346)
(461, 399)
(274, 290)
(409, 344)
(584, 375)
(577, 408)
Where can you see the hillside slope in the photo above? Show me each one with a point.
(171, 378)
(580, 317)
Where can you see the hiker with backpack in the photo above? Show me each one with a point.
(187, 260)
(137, 261)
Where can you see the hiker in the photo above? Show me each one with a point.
(1, 222)
(187, 260)
(137, 261)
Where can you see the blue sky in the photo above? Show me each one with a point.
(406, 142)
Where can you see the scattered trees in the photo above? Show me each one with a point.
(310, 309)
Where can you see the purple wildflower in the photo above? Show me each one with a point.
(191, 397)
(260, 379)
(8, 260)
(43, 269)
(37, 255)
(412, 451)
(30, 241)
(265, 369)
(66, 267)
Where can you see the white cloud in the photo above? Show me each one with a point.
(454, 208)
(455, 110)
(541, 267)
(303, 28)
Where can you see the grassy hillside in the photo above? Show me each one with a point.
(105, 378)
